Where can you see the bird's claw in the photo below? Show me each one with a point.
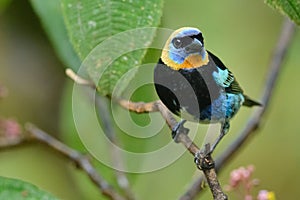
(179, 128)
(203, 158)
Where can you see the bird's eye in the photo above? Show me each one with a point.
(177, 43)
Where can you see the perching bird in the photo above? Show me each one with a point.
(193, 83)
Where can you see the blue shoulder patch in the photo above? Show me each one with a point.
(223, 77)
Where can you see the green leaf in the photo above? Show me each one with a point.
(290, 8)
(52, 19)
(101, 24)
(14, 189)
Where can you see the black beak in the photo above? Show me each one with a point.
(194, 47)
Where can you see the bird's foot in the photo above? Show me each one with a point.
(203, 158)
(179, 129)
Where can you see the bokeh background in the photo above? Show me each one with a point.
(242, 33)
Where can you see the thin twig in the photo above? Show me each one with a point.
(81, 160)
(138, 107)
(275, 66)
(117, 159)
(122, 180)
(77, 79)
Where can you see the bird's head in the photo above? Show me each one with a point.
(185, 49)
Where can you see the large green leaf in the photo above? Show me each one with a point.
(290, 8)
(14, 189)
(92, 22)
(52, 20)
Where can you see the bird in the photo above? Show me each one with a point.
(194, 84)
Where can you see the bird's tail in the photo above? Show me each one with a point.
(249, 102)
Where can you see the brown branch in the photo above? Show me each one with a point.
(138, 107)
(82, 161)
(253, 124)
(12, 135)
(209, 172)
(183, 138)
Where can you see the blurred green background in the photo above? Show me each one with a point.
(242, 33)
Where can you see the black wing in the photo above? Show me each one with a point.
(232, 86)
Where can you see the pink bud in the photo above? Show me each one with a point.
(263, 195)
(235, 178)
(246, 173)
(9, 128)
(248, 197)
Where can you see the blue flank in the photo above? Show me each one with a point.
(225, 107)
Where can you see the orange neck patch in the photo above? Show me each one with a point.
(192, 61)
